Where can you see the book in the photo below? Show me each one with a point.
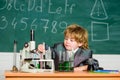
(106, 71)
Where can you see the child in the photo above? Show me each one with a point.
(75, 40)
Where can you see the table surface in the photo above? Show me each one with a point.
(61, 74)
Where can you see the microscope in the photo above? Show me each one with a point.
(32, 60)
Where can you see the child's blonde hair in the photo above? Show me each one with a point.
(78, 33)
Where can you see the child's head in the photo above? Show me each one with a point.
(76, 36)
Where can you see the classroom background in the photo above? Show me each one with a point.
(49, 18)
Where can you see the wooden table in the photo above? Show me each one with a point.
(61, 76)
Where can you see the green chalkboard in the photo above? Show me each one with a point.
(49, 18)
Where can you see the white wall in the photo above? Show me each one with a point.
(6, 62)
(105, 61)
(110, 61)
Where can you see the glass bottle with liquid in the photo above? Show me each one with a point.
(68, 62)
(60, 65)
